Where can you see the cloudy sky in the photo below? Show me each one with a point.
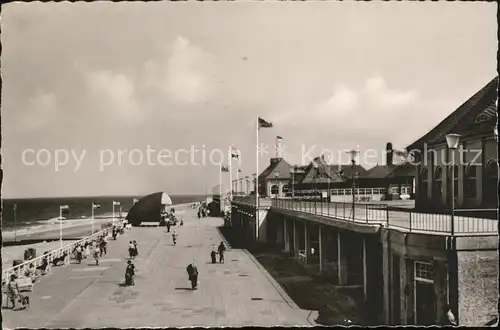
(92, 79)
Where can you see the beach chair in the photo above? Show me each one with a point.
(25, 283)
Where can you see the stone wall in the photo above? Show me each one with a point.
(477, 287)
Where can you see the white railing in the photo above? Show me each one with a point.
(21, 268)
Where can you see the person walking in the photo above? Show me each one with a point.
(129, 273)
(192, 271)
(174, 237)
(136, 249)
(222, 250)
(13, 290)
(213, 255)
(131, 249)
(97, 251)
(79, 251)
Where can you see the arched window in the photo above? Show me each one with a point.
(285, 189)
(424, 183)
(274, 189)
(438, 185)
(490, 185)
(470, 181)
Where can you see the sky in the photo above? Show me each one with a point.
(90, 88)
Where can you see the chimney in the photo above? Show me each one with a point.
(388, 154)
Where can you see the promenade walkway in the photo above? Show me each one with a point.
(89, 296)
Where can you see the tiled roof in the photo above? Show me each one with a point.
(279, 166)
(391, 171)
(332, 173)
(464, 120)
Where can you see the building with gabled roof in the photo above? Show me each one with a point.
(476, 160)
(274, 180)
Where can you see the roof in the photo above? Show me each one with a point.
(472, 117)
(391, 171)
(278, 165)
(328, 172)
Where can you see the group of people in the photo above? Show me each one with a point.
(97, 247)
(220, 250)
(133, 250)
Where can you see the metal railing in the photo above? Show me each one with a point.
(397, 217)
(20, 269)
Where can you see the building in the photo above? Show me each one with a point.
(476, 160)
(274, 180)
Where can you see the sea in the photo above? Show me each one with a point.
(31, 210)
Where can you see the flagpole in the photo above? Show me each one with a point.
(220, 188)
(60, 226)
(257, 180)
(230, 175)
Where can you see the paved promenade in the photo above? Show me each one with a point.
(89, 296)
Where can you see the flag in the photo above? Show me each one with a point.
(64, 207)
(279, 137)
(235, 153)
(239, 170)
(116, 203)
(95, 206)
(224, 168)
(264, 124)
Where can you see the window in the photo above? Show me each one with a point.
(394, 190)
(438, 184)
(424, 183)
(376, 191)
(335, 192)
(274, 189)
(383, 190)
(285, 188)
(470, 181)
(424, 271)
(490, 186)
(348, 191)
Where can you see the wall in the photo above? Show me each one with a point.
(477, 280)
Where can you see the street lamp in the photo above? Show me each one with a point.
(452, 140)
(353, 153)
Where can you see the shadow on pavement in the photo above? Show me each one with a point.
(336, 306)
(185, 289)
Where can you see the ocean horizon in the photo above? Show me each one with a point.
(31, 210)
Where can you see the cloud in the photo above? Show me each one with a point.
(114, 95)
(187, 73)
(40, 110)
(381, 97)
(343, 100)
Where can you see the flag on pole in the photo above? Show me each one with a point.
(116, 203)
(224, 168)
(279, 137)
(264, 124)
(64, 207)
(95, 206)
(235, 153)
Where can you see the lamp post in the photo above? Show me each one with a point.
(353, 153)
(452, 140)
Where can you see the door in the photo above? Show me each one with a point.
(425, 303)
